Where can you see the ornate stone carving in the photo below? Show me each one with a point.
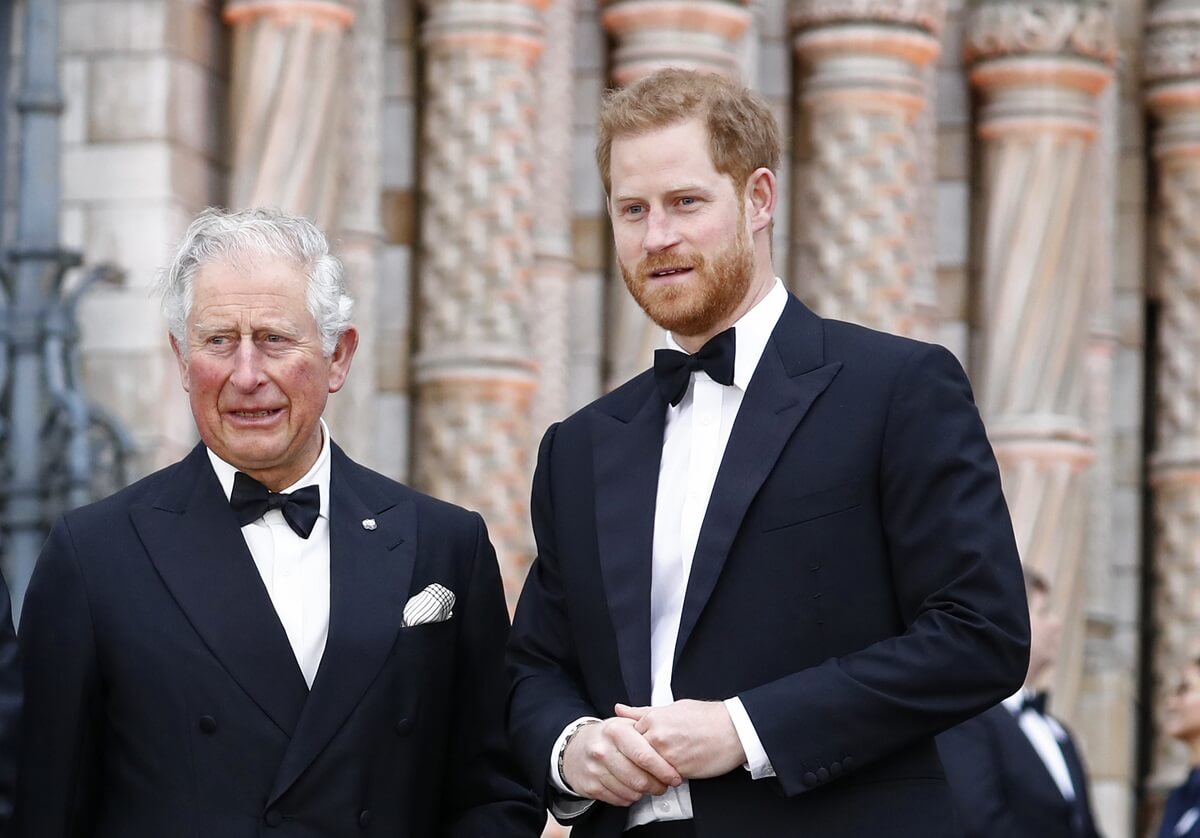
(929, 15)
(1038, 123)
(1083, 28)
(286, 102)
(474, 371)
(859, 192)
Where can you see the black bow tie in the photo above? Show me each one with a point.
(1035, 702)
(674, 369)
(251, 500)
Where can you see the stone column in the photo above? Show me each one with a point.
(862, 183)
(474, 370)
(1172, 74)
(1039, 66)
(554, 266)
(285, 103)
(647, 36)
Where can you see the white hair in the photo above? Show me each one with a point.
(223, 236)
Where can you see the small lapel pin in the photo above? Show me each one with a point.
(369, 523)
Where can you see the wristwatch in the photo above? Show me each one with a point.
(562, 752)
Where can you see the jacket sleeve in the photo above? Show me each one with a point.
(486, 793)
(61, 741)
(11, 700)
(546, 693)
(957, 582)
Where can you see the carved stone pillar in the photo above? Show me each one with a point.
(285, 103)
(1172, 74)
(861, 185)
(1039, 66)
(474, 370)
(554, 260)
(649, 35)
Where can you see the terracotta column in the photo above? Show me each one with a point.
(474, 369)
(285, 103)
(1172, 73)
(1038, 68)
(862, 182)
(647, 36)
(554, 263)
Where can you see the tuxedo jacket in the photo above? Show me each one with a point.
(1001, 787)
(855, 582)
(165, 699)
(11, 702)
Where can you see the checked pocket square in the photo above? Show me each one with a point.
(435, 604)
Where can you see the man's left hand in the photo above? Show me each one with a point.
(697, 737)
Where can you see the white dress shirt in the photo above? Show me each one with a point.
(294, 570)
(1046, 735)
(696, 433)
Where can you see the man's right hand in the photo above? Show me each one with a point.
(613, 763)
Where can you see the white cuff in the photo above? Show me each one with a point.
(556, 779)
(757, 761)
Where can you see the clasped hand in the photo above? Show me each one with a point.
(645, 750)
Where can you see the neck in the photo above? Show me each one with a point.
(1193, 746)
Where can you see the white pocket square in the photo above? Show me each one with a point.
(435, 604)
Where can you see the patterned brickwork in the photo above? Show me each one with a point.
(862, 182)
(474, 367)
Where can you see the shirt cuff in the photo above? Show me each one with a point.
(757, 761)
(556, 779)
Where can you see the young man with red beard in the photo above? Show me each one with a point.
(773, 567)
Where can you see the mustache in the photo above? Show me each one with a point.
(654, 262)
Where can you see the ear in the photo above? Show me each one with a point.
(182, 361)
(343, 354)
(762, 193)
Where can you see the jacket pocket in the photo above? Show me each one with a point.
(788, 512)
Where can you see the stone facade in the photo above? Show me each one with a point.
(1012, 178)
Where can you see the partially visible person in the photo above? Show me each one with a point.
(1181, 816)
(10, 709)
(266, 638)
(1014, 770)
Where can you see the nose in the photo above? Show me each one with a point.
(247, 367)
(661, 233)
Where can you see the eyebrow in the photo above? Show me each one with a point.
(674, 190)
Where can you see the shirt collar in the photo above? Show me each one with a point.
(1013, 702)
(751, 333)
(317, 476)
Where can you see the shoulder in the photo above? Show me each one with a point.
(101, 515)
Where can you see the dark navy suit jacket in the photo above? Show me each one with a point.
(165, 699)
(856, 583)
(1179, 802)
(1001, 787)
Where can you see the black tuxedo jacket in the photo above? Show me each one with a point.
(856, 583)
(1001, 787)
(165, 699)
(11, 701)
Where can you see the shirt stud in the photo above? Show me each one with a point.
(369, 523)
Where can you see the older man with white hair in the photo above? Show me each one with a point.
(265, 638)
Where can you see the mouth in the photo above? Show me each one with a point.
(254, 415)
(669, 272)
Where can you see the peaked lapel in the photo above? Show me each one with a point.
(195, 543)
(627, 447)
(370, 571)
(788, 379)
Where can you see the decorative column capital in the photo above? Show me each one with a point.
(1040, 64)
(696, 34)
(1172, 74)
(509, 28)
(1082, 29)
(331, 13)
(926, 15)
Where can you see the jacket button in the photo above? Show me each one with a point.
(273, 818)
(208, 724)
(848, 763)
(823, 775)
(835, 769)
(364, 818)
(402, 725)
(810, 779)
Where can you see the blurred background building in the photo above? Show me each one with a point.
(1016, 179)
